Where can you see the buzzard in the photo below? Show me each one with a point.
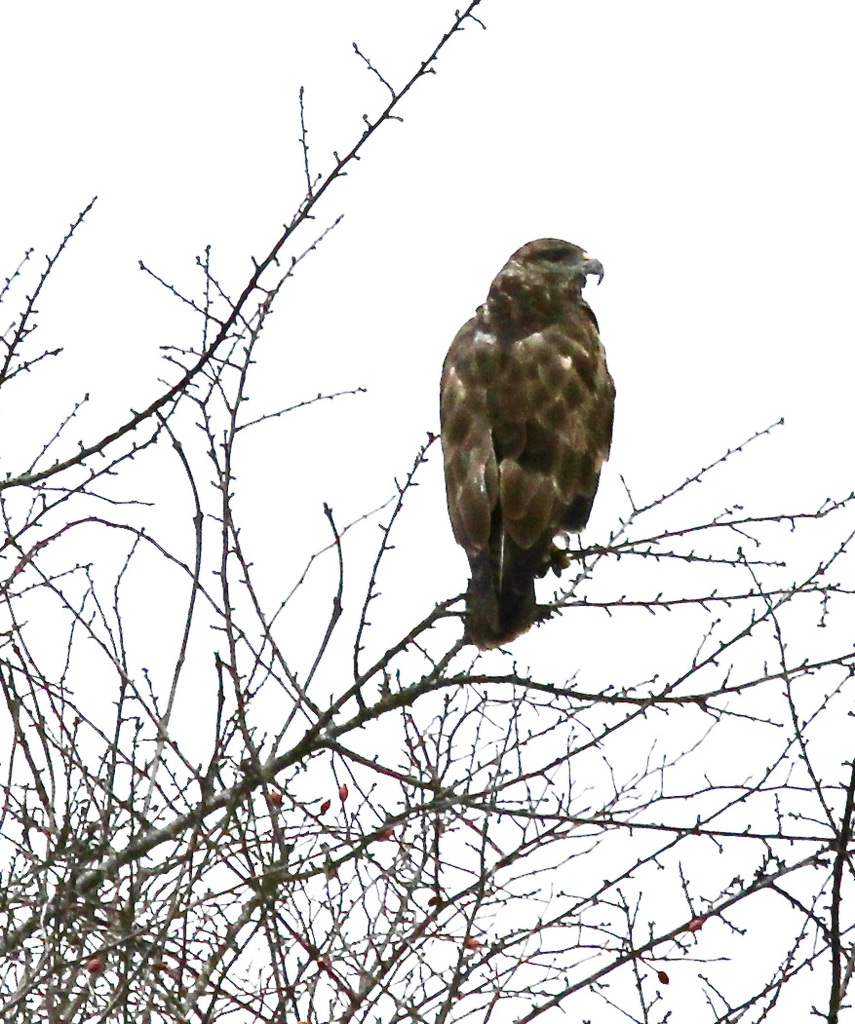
(526, 408)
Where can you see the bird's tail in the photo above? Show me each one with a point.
(500, 602)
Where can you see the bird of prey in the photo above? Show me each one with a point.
(526, 407)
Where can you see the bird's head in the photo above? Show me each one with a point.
(557, 263)
(536, 287)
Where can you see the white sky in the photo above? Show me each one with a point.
(703, 152)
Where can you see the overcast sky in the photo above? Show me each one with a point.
(702, 152)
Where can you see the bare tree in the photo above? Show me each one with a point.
(410, 830)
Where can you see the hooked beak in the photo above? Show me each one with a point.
(590, 266)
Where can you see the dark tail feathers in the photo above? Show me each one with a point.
(500, 609)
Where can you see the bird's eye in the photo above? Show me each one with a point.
(555, 255)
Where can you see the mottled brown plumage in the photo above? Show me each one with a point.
(526, 410)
